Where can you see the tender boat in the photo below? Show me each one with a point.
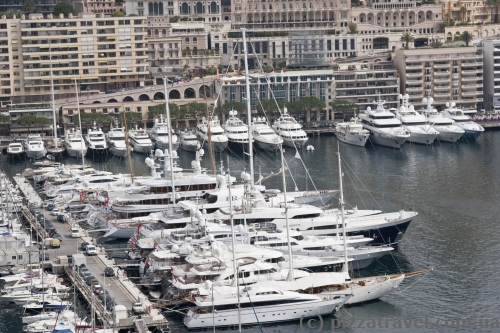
(385, 129)
(236, 131)
(352, 132)
(74, 144)
(472, 130)
(415, 123)
(34, 147)
(140, 141)
(96, 142)
(210, 130)
(448, 130)
(290, 130)
(15, 149)
(264, 135)
(189, 141)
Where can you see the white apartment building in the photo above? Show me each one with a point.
(491, 83)
(476, 11)
(103, 7)
(445, 74)
(364, 82)
(101, 53)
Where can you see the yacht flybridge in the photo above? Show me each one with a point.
(448, 130)
(74, 144)
(34, 147)
(290, 130)
(159, 134)
(140, 141)
(96, 142)
(116, 141)
(415, 123)
(385, 129)
(472, 129)
(236, 131)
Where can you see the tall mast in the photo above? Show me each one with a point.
(249, 107)
(171, 154)
(127, 146)
(342, 204)
(54, 124)
(1, 197)
(80, 122)
(290, 257)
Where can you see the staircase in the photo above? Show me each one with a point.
(141, 326)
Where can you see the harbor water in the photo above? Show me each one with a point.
(455, 188)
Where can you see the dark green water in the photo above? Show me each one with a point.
(455, 189)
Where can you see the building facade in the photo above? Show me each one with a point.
(102, 7)
(445, 74)
(491, 84)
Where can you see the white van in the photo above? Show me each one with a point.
(75, 233)
(91, 250)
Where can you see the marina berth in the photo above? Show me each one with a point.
(265, 137)
(189, 141)
(96, 142)
(471, 129)
(352, 132)
(34, 147)
(116, 142)
(236, 131)
(15, 149)
(140, 141)
(447, 128)
(210, 131)
(290, 130)
(74, 144)
(159, 134)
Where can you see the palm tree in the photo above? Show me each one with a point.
(407, 38)
(463, 12)
(466, 37)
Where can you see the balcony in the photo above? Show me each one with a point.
(442, 80)
(440, 66)
(410, 67)
(472, 86)
(471, 78)
(471, 93)
(413, 75)
(441, 73)
(414, 89)
(441, 95)
(471, 64)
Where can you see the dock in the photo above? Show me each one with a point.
(123, 291)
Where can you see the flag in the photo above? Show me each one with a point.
(154, 246)
(106, 202)
(297, 155)
(271, 70)
(139, 228)
(81, 196)
(283, 71)
(132, 244)
(107, 221)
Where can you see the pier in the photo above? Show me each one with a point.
(122, 291)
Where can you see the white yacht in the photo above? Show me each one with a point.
(219, 306)
(352, 132)
(189, 141)
(448, 130)
(236, 131)
(264, 135)
(15, 149)
(74, 144)
(116, 141)
(210, 130)
(415, 123)
(140, 141)
(96, 142)
(385, 129)
(472, 130)
(159, 134)
(34, 147)
(290, 130)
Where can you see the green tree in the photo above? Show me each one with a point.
(29, 6)
(175, 19)
(63, 8)
(155, 111)
(407, 38)
(437, 44)
(5, 121)
(466, 37)
(266, 68)
(89, 118)
(11, 13)
(130, 117)
(312, 104)
(344, 106)
(42, 122)
(193, 110)
(26, 121)
(230, 69)
(118, 14)
(224, 110)
(269, 107)
(211, 70)
(281, 65)
(353, 28)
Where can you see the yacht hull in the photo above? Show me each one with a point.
(217, 146)
(189, 147)
(472, 134)
(269, 146)
(447, 135)
(382, 139)
(264, 314)
(352, 139)
(119, 152)
(422, 138)
(37, 154)
(299, 143)
(141, 149)
(239, 146)
(76, 152)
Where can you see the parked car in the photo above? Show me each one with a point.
(138, 308)
(75, 233)
(109, 271)
(83, 247)
(61, 218)
(83, 270)
(50, 206)
(57, 236)
(55, 212)
(91, 250)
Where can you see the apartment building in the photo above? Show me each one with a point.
(446, 74)
(476, 11)
(42, 6)
(491, 84)
(101, 53)
(102, 7)
(363, 82)
(286, 86)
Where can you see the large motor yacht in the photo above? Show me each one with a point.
(385, 129)
(210, 130)
(290, 130)
(264, 135)
(415, 123)
(15, 149)
(74, 144)
(448, 130)
(159, 134)
(472, 129)
(116, 140)
(96, 141)
(189, 141)
(140, 141)
(236, 131)
(34, 147)
(352, 132)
